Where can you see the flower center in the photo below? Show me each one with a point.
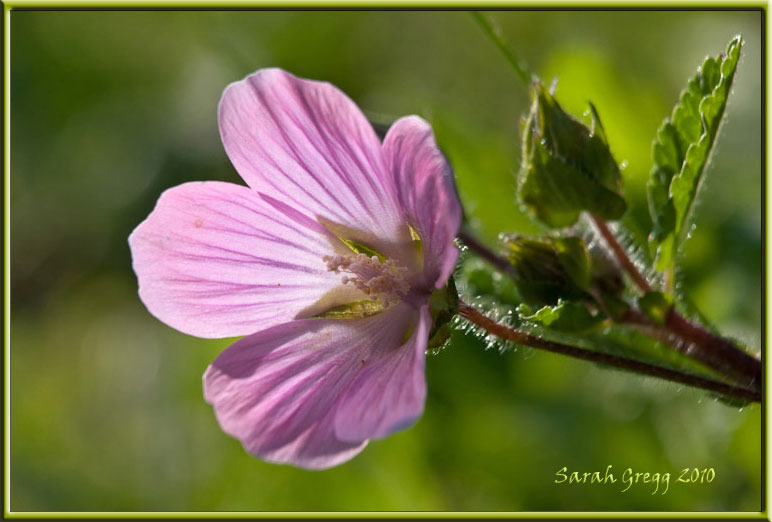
(380, 280)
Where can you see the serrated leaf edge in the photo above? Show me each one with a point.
(724, 82)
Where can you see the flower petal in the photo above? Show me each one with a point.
(387, 395)
(216, 260)
(278, 390)
(306, 143)
(426, 192)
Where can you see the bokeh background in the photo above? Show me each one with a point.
(110, 108)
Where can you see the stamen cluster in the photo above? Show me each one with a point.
(380, 280)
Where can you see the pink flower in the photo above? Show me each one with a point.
(330, 218)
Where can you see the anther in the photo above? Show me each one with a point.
(385, 281)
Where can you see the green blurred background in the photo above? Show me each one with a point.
(111, 108)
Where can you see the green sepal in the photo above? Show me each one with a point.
(478, 279)
(439, 336)
(575, 259)
(477, 276)
(548, 269)
(606, 279)
(443, 306)
(681, 151)
(614, 306)
(359, 248)
(566, 167)
(566, 317)
(655, 305)
(354, 310)
(418, 245)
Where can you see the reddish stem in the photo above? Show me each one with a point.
(504, 332)
(699, 343)
(680, 333)
(481, 250)
(621, 255)
(723, 354)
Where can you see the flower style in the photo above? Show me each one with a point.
(328, 263)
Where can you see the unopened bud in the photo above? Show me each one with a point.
(548, 269)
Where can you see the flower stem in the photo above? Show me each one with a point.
(734, 358)
(685, 336)
(474, 316)
(700, 344)
(500, 262)
(621, 256)
(496, 38)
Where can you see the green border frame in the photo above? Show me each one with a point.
(359, 4)
(383, 4)
(7, 258)
(386, 515)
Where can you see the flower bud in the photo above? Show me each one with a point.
(566, 167)
(607, 284)
(553, 269)
(548, 269)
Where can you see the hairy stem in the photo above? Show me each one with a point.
(687, 336)
(474, 316)
(621, 256)
(683, 335)
(698, 343)
(496, 38)
(500, 262)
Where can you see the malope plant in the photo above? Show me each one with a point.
(346, 259)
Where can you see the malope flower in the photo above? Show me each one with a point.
(334, 262)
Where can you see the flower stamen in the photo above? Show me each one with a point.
(384, 281)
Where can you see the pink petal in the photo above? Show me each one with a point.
(216, 260)
(278, 391)
(306, 143)
(387, 395)
(426, 192)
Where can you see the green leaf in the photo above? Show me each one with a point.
(566, 167)
(681, 151)
(565, 317)
(622, 340)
